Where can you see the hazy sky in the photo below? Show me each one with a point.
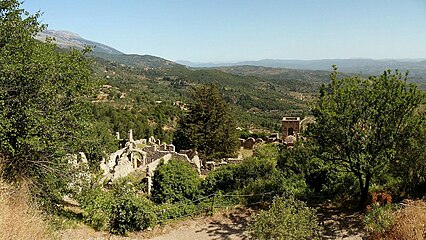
(235, 30)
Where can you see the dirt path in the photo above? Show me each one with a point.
(341, 222)
(230, 225)
(338, 223)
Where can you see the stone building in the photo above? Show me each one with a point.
(290, 126)
(143, 154)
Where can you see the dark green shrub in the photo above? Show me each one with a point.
(174, 182)
(167, 211)
(288, 218)
(96, 204)
(132, 213)
(275, 183)
(221, 179)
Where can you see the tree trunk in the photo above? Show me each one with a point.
(364, 186)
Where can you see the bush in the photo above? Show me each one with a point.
(273, 184)
(379, 218)
(96, 204)
(288, 218)
(174, 182)
(132, 213)
(166, 212)
(254, 176)
(221, 179)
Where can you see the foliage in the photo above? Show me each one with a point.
(44, 105)
(175, 181)
(208, 127)
(409, 166)
(257, 176)
(97, 141)
(321, 177)
(96, 204)
(379, 218)
(360, 121)
(221, 179)
(288, 218)
(132, 213)
(169, 211)
(119, 209)
(267, 151)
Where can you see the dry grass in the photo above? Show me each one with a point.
(410, 223)
(18, 219)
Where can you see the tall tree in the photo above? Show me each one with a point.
(208, 127)
(44, 98)
(360, 121)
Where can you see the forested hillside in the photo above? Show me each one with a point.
(149, 92)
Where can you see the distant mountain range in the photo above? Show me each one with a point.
(65, 39)
(417, 67)
(360, 65)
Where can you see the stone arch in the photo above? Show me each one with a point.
(137, 158)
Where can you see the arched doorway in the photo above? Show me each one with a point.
(290, 131)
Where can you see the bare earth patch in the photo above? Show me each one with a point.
(229, 224)
(338, 223)
(341, 222)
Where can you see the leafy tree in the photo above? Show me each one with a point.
(44, 102)
(208, 127)
(288, 218)
(175, 181)
(359, 122)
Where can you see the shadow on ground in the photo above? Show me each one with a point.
(340, 222)
(233, 226)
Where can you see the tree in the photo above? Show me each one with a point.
(44, 100)
(208, 127)
(360, 121)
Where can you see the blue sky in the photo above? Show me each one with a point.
(236, 30)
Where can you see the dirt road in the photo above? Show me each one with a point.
(338, 223)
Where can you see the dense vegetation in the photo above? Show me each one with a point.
(368, 136)
(360, 121)
(288, 218)
(209, 127)
(44, 104)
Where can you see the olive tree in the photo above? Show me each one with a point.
(360, 121)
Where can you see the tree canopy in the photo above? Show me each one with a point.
(359, 122)
(208, 126)
(44, 97)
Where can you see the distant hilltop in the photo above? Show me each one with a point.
(66, 39)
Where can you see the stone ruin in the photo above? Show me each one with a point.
(144, 155)
(250, 142)
(80, 173)
(290, 128)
